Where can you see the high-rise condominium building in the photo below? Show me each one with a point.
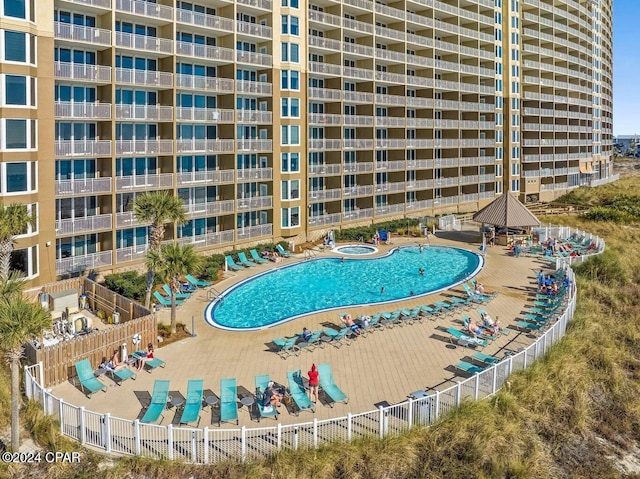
(282, 120)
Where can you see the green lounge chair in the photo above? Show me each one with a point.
(287, 347)
(231, 264)
(199, 283)
(468, 367)
(314, 341)
(164, 301)
(328, 385)
(458, 302)
(338, 338)
(244, 261)
(445, 308)
(465, 330)
(262, 381)
(228, 401)
(193, 402)
(475, 297)
(256, 257)
(485, 358)
(283, 253)
(531, 327)
(298, 394)
(504, 331)
(88, 381)
(121, 375)
(158, 403)
(151, 363)
(179, 296)
(465, 339)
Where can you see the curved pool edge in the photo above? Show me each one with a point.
(208, 316)
(372, 250)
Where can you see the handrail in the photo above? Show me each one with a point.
(213, 294)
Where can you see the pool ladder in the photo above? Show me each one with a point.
(213, 293)
(309, 253)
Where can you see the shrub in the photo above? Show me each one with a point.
(212, 265)
(607, 213)
(605, 269)
(129, 284)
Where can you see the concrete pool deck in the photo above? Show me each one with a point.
(382, 368)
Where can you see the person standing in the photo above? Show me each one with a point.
(314, 383)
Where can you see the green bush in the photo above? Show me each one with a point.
(367, 232)
(212, 264)
(607, 213)
(129, 284)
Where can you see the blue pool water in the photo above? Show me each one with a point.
(285, 293)
(356, 249)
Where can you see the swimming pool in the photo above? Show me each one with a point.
(283, 294)
(356, 249)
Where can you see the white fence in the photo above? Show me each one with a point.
(204, 446)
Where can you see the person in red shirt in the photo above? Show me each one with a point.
(314, 383)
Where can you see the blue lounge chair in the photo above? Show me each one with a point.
(158, 403)
(179, 296)
(444, 307)
(465, 330)
(283, 253)
(328, 385)
(314, 341)
(481, 311)
(468, 367)
(485, 358)
(149, 364)
(531, 327)
(164, 301)
(458, 302)
(120, 375)
(475, 297)
(287, 347)
(338, 338)
(262, 381)
(231, 264)
(228, 401)
(298, 393)
(256, 257)
(193, 402)
(465, 339)
(244, 261)
(197, 282)
(88, 381)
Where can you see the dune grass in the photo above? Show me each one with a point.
(575, 413)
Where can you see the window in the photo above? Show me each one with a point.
(290, 3)
(19, 134)
(290, 25)
(290, 135)
(23, 9)
(290, 162)
(290, 80)
(515, 185)
(18, 47)
(291, 217)
(25, 260)
(290, 107)
(18, 177)
(19, 90)
(290, 52)
(291, 190)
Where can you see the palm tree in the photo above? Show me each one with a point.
(172, 261)
(158, 208)
(14, 220)
(19, 320)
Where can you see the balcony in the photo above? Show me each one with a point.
(83, 186)
(324, 220)
(325, 195)
(83, 148)
(255, 203)
(357, 214)
(325, 170)
(210, 208)
(210, 22)
(419, 143)
(79, 33)
(355, 191)
(390, 144)
(358, 144)
(259, 4)
(89, 224)
(197, 145)
(213, 115)
(396, 165)
(207, 52)
(82, 72)
(390, 121)
(357, 120)
(389, 209)
(144, 182)
(363, 167)
(144, 77)
(144, 147)
(358, 97)
(390, 187)
(419, 164)
(322, 144)
(261, 59)
(94, 3)
(254, 87)
(83, 110)
(419, 205)
(254, 116)
(131, 253)
(128, 219)
(324, 94)
(80, 264)
(144, 112)
(325, 68)
(419, 185)
(145, 9)
(210, 239)
(248, 232)
(254, 145)
(144, 42)
(209, 177)
(324, 119)
(250, 174)
(211, 84)
(253, 29)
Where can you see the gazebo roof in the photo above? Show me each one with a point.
(506, 211)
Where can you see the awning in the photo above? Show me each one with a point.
(586, 168)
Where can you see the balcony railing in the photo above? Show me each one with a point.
(83, 225)
(326, 219)
(210, 239)
(84, 110)
(248, 174)
(82, 71)
(419, 205)
(358, 97)
(203, 20)
(131, 253)
(144, 42)
(144, 77)
(324, 119)
(419, 164)
(261, 59)
(354, 191)
(395, 165)
(207, 52)
(324, 94)
(389, 209)
(253, 29)
(390, 187)
(249, 232)
(145, 9)
(357, 214)
(254, 145)
(83, 148)
(144, 112)
(325, 170)
(196, 145)
(212, 84)
(80, 33)
(358, 167)
(83, 186)
(128, 219)
(211, 176)
(358, 144)
(255, 87)
(322, 144)
(87, 262)
(419, 185)
(325, 195)
(254, 116)
(213, 115)
(254, 203)
(210, 208)
(95, 3)
(358, 120)
(144, 147)
(390, 143)
(143, 182)
(261, 4)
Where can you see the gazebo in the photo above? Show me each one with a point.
(507, 211)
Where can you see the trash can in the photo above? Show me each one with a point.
(115, 317)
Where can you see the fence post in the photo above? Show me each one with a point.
(205, 439)
(410, 412)
(476, 386)
(81, 425)
(495, 379)
(295, 438)
(27, 383)
(40, 379)
(44, 402)
(194, 448)
(136, 436)
(107, 431)
(61, 409)
(437, 408)
(458, 393)
(381, 420)
(315, 433)
(279, 436)
(510, 363)
(170, 440)
(243, 442)
(349, 426)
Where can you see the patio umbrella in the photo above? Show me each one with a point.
(507, 211)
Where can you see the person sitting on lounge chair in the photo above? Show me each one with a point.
(348, 321)
(490, 323)
(149, 356)
(306, 334)
(114, 363)
(271, 396)
(474, 329)
(481, 290)
(275, 257)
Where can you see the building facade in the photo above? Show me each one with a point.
(283, 119)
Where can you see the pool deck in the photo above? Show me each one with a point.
(382, 368)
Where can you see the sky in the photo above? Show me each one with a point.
(626, 66)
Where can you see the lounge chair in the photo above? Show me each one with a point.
(179, 296)
(465, 330)
(465, 339)
(262, 381)
(444, 307)
(149, 364)
(283, 253)
(468, 367)
(242, 258)
(228, 400)
(485, 358)
(531, 327)
(193, 402)
(120, 375)
(231, 264)
(328, 385)
(88, 381)
(458, 302)
(338, 338)
(158, 403)
(287, 347)
(475, 297)
(197, 282)
(504, 331)
(314, 341)
(298, 393)
(164, 301)
(256, 257)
